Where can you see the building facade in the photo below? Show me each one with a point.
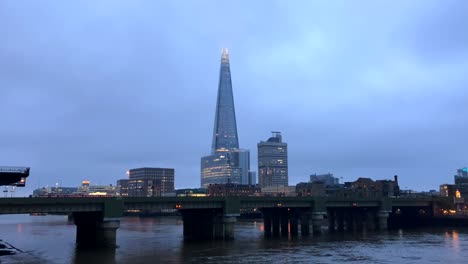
(273, 162)
(230, 189)
(147, 182)
(226, 163)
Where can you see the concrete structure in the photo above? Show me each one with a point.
(226, 163)
(98, 218)
(273, 162)
(147, 182)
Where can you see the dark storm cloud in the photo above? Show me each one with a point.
(90, 89)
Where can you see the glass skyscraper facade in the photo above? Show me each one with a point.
(227, 163)
(273, 162)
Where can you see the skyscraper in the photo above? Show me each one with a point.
(273, 162)
(227, 163)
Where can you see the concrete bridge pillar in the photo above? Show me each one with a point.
(358, 220)
(218, 227)
(198, 224)
(383, 219)
(340, 220)
(331, 220)
(92, 231)
(370, 220)
(276, 223)
(294, 225)
(267, 224)
(229, 221)
(349, 220)
(317, 220)
(284, 222)
(305, 222)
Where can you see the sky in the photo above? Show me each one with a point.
(90, 89)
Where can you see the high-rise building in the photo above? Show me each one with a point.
(147, 182)
(273, 162)
(227, 163)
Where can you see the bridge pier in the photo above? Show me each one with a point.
(370, 220)
(340, 220)
(229, 221)
(276, 223)
(317, 220)
(331, 220)
(267, 225)
(383, 219)
(349, 220)
(201, 224)
(294, 225)
(305, 222)
(92, 232)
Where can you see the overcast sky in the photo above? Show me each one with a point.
(89, 89)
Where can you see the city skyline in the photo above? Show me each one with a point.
(125, 85)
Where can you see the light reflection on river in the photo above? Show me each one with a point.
(51, 239)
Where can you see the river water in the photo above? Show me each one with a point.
(51, 239)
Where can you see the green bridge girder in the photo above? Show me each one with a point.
(113, 207)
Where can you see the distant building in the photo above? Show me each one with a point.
(458, 191)
(279, 191)
(327, 179)
(273, 162)
(252, 178)
(230, 189)
(147, 182)
(227, 163)
(193, 192)
(448, 190)
(54, 191)
(316, 188)
(366, 187)
(96, 190)
(463, 172)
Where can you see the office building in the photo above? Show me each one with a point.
(227, 163)
(147, 182)
(273, 162)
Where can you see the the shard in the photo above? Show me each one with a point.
(227, 163)
(225, 128)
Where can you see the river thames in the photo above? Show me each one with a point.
(51, 239)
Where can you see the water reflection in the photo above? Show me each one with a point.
(87, 256)
(455, 241)
(160, 240)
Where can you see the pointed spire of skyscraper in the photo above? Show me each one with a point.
(225, 127)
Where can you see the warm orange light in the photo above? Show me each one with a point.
(279, 205)
(457, 194)
(178, 206)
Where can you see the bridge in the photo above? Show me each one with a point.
(98, 218)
